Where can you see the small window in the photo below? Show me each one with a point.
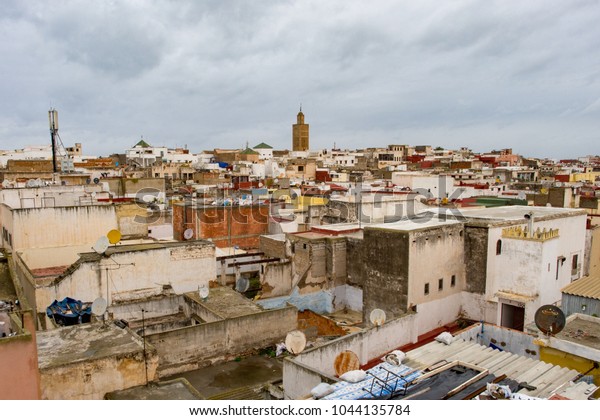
(440, 284)
(303, 246)
(499, 247)
(426, 288)
(574, 262)
(453, 280)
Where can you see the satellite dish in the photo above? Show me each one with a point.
(242, 284)
(114, 236)
(99, 307)
(345, 362)
(295, 342)
(377, 317)
(203, 292)
(101, 245)
(550, 319)
(96, 180)
(188, 234)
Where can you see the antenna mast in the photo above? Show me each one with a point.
(53, 122)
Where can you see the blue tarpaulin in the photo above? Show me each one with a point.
(69, 311)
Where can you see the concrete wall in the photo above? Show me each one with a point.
(131, 219)
(136, 275)
(506, 339)
(93, 378)
(436, 254)
(348, 297)
(153, 308)
(308, 369)
(385, 272)
(476, 254)
(200, 345)
(62, 226)
(276, 280)
(18, 364)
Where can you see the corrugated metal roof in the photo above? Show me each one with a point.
(588, 286)
(546, 378)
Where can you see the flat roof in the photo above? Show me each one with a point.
(226, 302)
(582, 331)
(68, 345)
(504, 213)
(588, 286)
(176, 389)
(413, 224)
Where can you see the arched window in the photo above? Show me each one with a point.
(499, 247)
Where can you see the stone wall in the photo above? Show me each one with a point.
(385, 272)
(201, 345)
(476, 246)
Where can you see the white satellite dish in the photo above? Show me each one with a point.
(242, 284)
(295, 342)
(377, 317)
(101, 245)
(188, 234)
(203, 292)
(99, 306)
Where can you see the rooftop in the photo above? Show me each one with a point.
(262, 146)
(583, 330)
(68, 345)
(588, 286)
(226, 302)
(508, 213)
(177, 389)
(544, 377)
(415, 224)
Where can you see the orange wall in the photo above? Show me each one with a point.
(19, 365)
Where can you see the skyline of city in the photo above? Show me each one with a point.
(473, 74)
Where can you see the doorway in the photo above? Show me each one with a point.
(513, 317)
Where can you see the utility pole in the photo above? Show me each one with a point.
(53, 121)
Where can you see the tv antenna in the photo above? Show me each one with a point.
(114, 236)
(101, 245)
(377, 317)
(99, 307)
(242, 284)
(550, 319)
(345, 362)
(295, 342)
(203, 291)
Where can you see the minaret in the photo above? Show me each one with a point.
(300, 134)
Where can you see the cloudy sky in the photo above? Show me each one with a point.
(482, 74)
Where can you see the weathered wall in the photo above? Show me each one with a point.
(355, 262)
(320, 302)
(476, 246)
(153, 307)
(273, 247)
(131, 218)
(305, 371)
(386, 272)
(225, 226)
(134, 275)
(93, 378)
(276, 280)
(196, 346)
(436, 254)
(61, 226)
(18, 364)
(505, 338)
(348, 297)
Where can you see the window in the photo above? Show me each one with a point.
(426, 288)
(499, 247)
(453, 280)
(440, 284)
(574, 267)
